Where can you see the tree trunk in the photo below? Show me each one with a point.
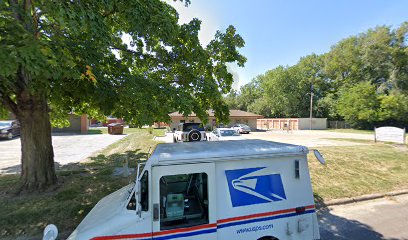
(37, 161)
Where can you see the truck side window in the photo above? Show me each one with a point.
(144, 196)
(183, 200)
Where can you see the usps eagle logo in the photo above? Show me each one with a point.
(254, 186)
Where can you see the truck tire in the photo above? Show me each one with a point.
(194, 135)
(174, 139)
(268, 238)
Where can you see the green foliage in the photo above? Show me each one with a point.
(74, 52)
(393, 108)
(362, 79)
(283, 91)
(359, 104)
(249, 93)
(4, 114)
(231, 99)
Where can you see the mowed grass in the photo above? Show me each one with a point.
(350, 171)
(351, 131)
(357, 170)
(80, 187)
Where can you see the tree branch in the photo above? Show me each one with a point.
(9, 103)
(14, 5)
(126, 50)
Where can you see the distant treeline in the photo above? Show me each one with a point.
(363, 79)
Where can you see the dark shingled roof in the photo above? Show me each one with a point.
(233, 113)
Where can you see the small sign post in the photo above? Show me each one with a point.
(389, 134)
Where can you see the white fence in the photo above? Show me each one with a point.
(389, 134)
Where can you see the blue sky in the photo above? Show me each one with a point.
(280, 32)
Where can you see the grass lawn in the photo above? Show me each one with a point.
(104, 130)
(351, 131)
(357, 170)
(350, 171)
(80, 187)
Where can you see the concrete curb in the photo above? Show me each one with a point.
(341, 201)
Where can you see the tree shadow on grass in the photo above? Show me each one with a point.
(80, 187)
(117, 159)
(333, 227)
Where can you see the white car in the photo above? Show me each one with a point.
(224, 134)
(242, 128)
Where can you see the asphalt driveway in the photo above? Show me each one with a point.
(380, 219)
(68, 148)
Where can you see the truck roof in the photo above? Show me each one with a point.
(210, 151)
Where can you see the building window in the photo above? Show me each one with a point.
(183, 200)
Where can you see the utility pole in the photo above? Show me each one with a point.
(311, 108)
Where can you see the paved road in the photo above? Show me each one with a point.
(311, 138)
(67, 149)
(385, 218)
(304, 138)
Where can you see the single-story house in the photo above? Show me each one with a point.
(78, 124)
(236, 116)
(291, 123)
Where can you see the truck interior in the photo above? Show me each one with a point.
(183, 200)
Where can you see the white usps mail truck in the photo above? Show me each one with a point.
(246, 189)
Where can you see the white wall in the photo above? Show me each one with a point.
(317, 123)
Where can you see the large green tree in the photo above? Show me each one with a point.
(359, 105)
(376, 59)
(58, 57)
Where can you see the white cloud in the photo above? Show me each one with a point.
(209, 22)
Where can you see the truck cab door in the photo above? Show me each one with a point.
(184, 201)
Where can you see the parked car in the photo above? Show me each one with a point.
(224, 134)
(189, 132)
(250, 189)
(9, 129)
(242, 128)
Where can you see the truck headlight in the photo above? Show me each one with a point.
(3, 131)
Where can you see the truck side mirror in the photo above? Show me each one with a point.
(50, 232)
(319, 156)
(139, 209)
